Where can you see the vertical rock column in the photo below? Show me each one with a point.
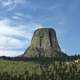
(44, 43)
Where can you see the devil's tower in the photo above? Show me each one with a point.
(44, 44)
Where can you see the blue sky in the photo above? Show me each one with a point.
(19, 19)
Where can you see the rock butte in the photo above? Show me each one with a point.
(44, 44)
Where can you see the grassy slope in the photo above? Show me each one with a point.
(18, 67)
(21, 66)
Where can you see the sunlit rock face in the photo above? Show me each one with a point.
(44, 44)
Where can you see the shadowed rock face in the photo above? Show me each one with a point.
(44, 44)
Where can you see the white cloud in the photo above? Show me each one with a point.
(7, 41)
(21, 16)
(6, 29)
(11, 4)
(6, 3)
(10, 53)
(15, 37)
(18, 16)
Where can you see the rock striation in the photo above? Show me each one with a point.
(44, 44)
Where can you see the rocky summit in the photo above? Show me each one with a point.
(44, 44)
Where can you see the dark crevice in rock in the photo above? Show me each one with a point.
(50, 38)
(40, 41)
(41, 37)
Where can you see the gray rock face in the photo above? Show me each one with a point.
(44, 44)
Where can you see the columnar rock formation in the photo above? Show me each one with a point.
(44, 44)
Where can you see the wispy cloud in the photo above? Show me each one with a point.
(10, 53)
(18, 16)
(21, 1)
(21, 16)
(11, 37)
(15, 38)
(6, 3)
(11, 4)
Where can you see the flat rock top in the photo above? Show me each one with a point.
(43, 30)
